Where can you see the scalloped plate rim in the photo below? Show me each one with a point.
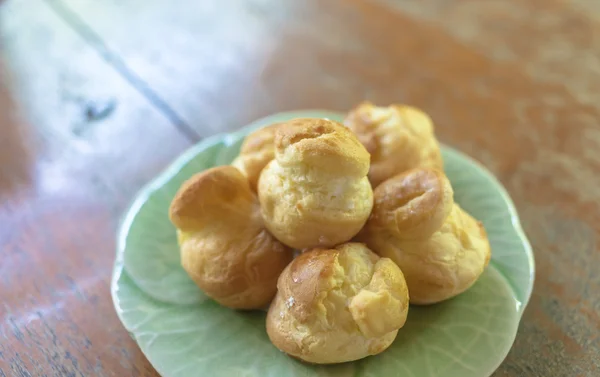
(227, 138)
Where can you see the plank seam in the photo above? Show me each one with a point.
(97, 43)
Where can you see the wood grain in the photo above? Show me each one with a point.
(71, 169)
(514, 84)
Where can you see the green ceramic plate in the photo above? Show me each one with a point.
(185, 334)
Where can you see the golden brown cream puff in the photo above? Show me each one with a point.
(315, 192)
(224, 245)
(440, 248)
(338, 305)
(257, 150)
(398, 138)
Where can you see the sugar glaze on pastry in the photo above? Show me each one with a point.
(337, 305)
(398, 137)
(315, 192)
(440, 248)
(224, 245)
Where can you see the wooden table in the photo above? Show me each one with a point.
(98, 96)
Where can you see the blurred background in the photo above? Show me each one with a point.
(96, 97)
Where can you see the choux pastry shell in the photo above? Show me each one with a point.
(224, 245)
(257, 150)
(440, 248)
(338, 305)
(315, 192)
(398, 138)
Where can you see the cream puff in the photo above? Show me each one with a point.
(440, 248)
(315, 192)
(257, 150)
(224, 246)
(398, 138)
(338, 305)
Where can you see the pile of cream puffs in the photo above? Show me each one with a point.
(336, 228)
